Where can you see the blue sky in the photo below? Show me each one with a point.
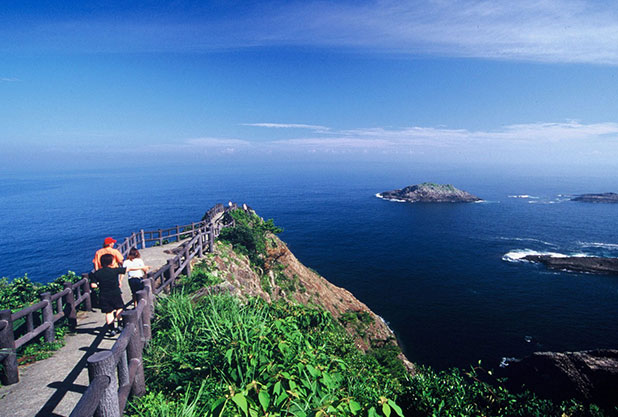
(442, 82)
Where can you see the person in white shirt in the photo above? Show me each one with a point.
(136, 275)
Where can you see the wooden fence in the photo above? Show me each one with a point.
(41, 317)
(116, 373)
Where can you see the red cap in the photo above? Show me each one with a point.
(109, 241)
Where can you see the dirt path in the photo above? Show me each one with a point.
(53, 386)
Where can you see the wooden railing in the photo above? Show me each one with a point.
(43, 317)
(40, 317)
(116, 373)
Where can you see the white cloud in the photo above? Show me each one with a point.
(9, 79)
(288, 126)
(208, 142)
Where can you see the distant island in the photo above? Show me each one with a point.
(589, 264)
(429, 192)
(597, 198)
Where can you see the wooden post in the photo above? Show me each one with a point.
(141, 232)
(200, 248)
(48, 317)
(102, 363)
(123, 370)
(177, 233)
(160, 237)
(69, 309)
(134, 351)
(143, 295)
(211, 238)
(8, 372)
(149, 288)
(187, 255)
(88, 300)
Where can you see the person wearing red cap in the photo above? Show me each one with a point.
(108, 247)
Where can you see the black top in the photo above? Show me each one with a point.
(107, 278)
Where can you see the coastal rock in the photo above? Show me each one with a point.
(589, 376)
(597, 198)
(590, 264)
(428, 192)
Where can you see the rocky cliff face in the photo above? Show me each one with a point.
(429, 193)
(286, 277)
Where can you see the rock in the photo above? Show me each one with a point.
(589, 376)
(428, 192)
(591, 264)
(597, 198)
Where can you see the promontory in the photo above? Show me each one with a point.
(597, 198)
(429, 192)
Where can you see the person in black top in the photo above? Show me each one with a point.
(109, 281)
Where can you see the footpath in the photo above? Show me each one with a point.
(52, 387)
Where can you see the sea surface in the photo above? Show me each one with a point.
(445, 277)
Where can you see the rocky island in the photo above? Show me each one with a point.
(429, 192)
(590, 264)
(597, 198)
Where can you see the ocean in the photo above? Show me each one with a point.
(446, 277)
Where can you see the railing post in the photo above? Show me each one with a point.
(149, 287)
(88, 300)
(143, 295)
(102, 363)
(69, 308)
(211, 238)
(48, 317)
(8, 372)
(141, 232)
(177, 233)
(123, 369)
(187, 255)
(160, 237)
(134, 351)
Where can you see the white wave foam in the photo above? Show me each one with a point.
(528, 239)
(523, 196)
(379, 195)
(518, 255)
(602, 245)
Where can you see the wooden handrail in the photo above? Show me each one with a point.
(127, 351)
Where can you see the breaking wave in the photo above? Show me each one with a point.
(601, 245)
(379, 195)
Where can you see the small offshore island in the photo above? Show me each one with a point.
(597, 198)
(429, 192)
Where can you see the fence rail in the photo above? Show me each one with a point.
(40, 318)
(117, 373)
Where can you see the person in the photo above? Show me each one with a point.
(134, 260)
(108, 248)
(109, 281)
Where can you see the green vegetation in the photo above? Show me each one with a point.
(249, 235)
(258, 359)
(20, 293)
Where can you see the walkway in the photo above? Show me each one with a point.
(53, 386)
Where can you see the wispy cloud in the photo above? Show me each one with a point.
(288, 126)
(405, 139)
(536, 30)
(9, 79)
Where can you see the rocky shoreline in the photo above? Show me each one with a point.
(597, 198)
(588, 264)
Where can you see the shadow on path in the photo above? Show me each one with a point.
(68, 384)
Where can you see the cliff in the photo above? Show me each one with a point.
(429, 193)
(283, 276)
